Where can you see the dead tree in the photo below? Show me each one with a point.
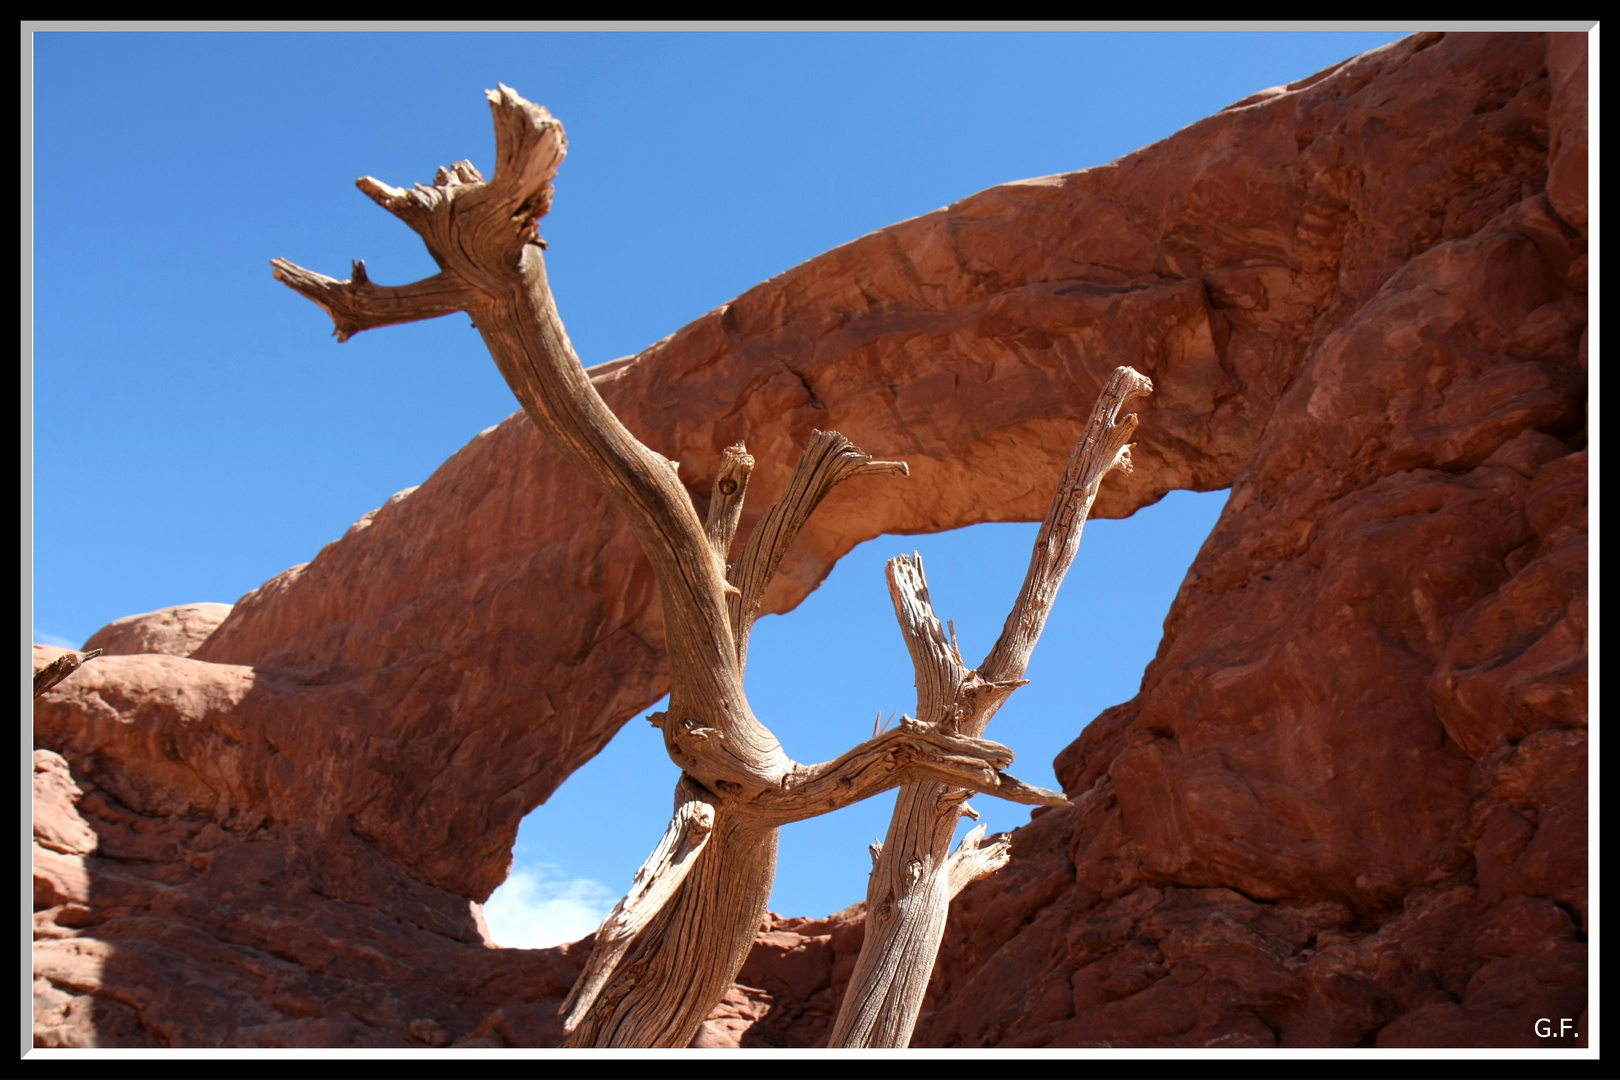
(914, 876)
(667, 954)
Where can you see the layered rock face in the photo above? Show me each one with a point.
(1347, 808)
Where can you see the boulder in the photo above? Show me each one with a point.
(170, 631)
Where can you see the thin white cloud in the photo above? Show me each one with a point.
(537, 908)
(42, 638)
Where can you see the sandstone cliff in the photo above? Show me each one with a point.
(1347, 808)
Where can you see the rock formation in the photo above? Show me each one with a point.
(1347, 808)
(172, 631)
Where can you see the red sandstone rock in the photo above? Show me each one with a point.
(1347, 808)
(1567, 150)
(172, 631)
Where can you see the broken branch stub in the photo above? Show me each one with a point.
(60, 668)
(726, 502)
(669, 951)
(970, 862)
(912, 879)
(827, 461)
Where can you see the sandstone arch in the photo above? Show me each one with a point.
(346, 759)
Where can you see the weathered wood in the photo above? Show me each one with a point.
(655, 883)
(672, 947)
(60, 668)
(970, 862)
(357, 304)
(909, 892)
(680, 967)
(726, 502)
(828, 461)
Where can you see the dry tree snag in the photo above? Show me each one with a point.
(672, 947)
(914, 876)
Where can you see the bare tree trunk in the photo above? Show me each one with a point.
(672, 947)
(914, 877)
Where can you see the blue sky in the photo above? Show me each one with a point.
(197, 431)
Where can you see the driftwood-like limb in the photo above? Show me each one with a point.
(935, 659)
(910, 753)
(655, 883)
(357, 304)
(482, 235)
(683, 963)
(726, 503)
(1104, 448)
(970, 862)
(60, 668)
(913, 879)
(828, 461)
(673, 946)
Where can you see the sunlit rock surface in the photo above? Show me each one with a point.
(1348, 807)
(171, 631)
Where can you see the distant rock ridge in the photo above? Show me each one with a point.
(170, 631)
(1347, 808)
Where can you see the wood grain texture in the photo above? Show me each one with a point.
(60, 668)
(667, 954)
(913, 876)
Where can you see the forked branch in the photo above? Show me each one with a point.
(665, 956)
(912, 879)
(358, 304)
(482, 235)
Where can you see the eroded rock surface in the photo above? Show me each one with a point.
(1347, 808)
(171, 631)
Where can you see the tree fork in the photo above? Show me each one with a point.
(673, 946)
(913, 878)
